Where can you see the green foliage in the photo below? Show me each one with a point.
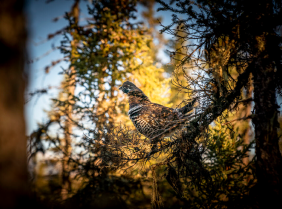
(232, 35)
(179, 68)
(203, 164)
(220, 179)
(110, 49)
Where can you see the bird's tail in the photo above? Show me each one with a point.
(187, 108)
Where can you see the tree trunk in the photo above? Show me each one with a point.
(13, 160)
(269, 163)
(248, 111)
(66, 143)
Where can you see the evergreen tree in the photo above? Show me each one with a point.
(179, 68)
(110, 49)
(69, 87)
(254, 49)
(222, 180)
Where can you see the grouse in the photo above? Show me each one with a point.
(151, 119)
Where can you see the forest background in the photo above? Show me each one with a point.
(85, 152)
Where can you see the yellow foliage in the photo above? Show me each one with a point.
(146, 76)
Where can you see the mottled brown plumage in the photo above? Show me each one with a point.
(151, 119)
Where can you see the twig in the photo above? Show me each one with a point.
(244, 118)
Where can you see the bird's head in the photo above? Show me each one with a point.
(128, 87)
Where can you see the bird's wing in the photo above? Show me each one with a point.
(157, 118)
(163, 113)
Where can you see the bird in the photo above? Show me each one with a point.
(151, 119)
